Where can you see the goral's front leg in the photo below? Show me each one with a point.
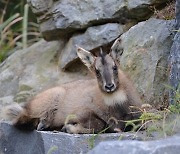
(114, 125)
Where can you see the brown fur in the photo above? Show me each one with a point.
(80, 107)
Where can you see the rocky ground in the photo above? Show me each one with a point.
(14, 141)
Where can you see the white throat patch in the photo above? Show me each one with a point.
(119, 97)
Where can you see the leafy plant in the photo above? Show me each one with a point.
(164, 122)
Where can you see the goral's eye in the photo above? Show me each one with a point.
(115, 68)
(98, 73)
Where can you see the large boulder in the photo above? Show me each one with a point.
(169, 146)
(145, 58)
(93, 38)
(14, 141)
(59, 19)
(24, 69)
(31, 70)
(178, 13)
(174, 59)
(174, 64)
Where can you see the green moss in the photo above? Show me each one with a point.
(23, 96)
(24, 87)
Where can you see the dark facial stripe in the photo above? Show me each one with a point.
(102, 55)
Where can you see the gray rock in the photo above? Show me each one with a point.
(146, 50)
(24, 66)
(13, 141)
(170, 145)
(174, 65)
(174, 59)
(4, 101)
(40, 7)
(64, 17)
(94, 37)
(178, 14)
(34, 69)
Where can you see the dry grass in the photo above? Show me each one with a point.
(166, 13)
(17, 28)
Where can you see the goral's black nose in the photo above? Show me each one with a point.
(109, 86)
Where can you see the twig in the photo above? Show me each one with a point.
(25, 25)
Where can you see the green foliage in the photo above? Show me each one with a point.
(166, 122)
(150, 116)
(91, 141)
(167, 126)
(176, 30)
(175, 107)
(120, 137)
(25, 26)
(52, 149)
(18, 27)
(146, 117)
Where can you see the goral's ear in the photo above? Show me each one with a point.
(86, 57)
(116, 50)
